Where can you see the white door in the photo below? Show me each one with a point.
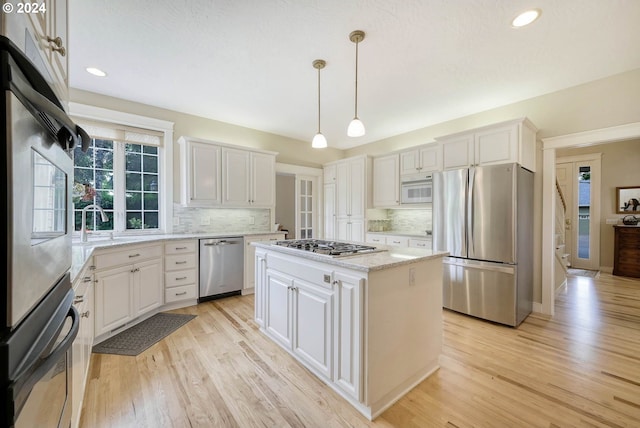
(236, 170)
(148, 286)
(278, 307)
(263, 173)
(564, 175)
(306, 203)
(113, 298)
(584, 200)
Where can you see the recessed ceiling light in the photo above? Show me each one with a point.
(96, 71)
(525, 18)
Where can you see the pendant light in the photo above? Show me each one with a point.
(319, 142)
(356, 127)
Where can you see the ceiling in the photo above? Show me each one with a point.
(422, 62)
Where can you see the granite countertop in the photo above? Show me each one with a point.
(82, 251)
(390, 257)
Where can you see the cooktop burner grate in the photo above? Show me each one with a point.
(329, 248)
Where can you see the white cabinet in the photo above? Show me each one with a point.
(250, 258)
(398, 240)
(420, 243)
(329, 174)
(352, 197)
(505, 142)
(129, 283)
(421, 159)
(201, 173)
(50, 39)
(216, 174)
(249, 178)
(329, 212)
(386, 181)
(83, 288)
(181, 271)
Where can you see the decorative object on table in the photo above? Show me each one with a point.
(138, 338)
(629, 220)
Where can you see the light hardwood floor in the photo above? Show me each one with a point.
(581, 368)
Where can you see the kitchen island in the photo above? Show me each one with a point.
(368, 325)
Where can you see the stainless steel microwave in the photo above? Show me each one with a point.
(416, 189)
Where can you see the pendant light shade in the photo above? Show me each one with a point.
(356, 127)
(319, 141)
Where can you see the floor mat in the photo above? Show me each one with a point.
(141, 336)
(583, 272)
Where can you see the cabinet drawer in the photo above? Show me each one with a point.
(375, 239)
(180, 293)
(126, 256)
(397, 241)
(180, 277)
(180, 262)
(180, 247)
(420, 243)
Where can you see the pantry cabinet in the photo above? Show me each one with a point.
(352, 198)
(215, 174)
(505, 142)
(129, 284)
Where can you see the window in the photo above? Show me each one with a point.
(120, 172)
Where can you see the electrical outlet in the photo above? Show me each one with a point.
(205, 221)
(252, 220)
(412, 276)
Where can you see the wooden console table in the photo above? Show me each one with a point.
(626, 255)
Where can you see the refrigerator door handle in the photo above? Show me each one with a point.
(470, 209)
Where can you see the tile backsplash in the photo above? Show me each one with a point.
(414, 221)
(216, 220)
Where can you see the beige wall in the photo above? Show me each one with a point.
(285, 203)
(599, 104)
(620, 167)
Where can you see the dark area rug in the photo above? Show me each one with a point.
(141, 336)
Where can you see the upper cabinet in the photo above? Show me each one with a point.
(215, 174)
(421, 159)
(249, 178)
(505, 142)
(48, 27)
(386, 181)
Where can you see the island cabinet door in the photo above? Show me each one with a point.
(313, 326)
(278, 307)
(260, 286)
(349, 369)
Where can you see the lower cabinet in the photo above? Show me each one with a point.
(318, 319)
(83, 343)
(399, 241)
(181, 272)
(250, 258)
(125, 292)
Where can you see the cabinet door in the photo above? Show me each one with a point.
(114, 304)
(348, 348)
(147, 286)
(58, 28)
(343, 202)
(409, 162)
(357, 188)
(431, 158)
(260, 287)
(386, 178)
(343, 228)
(236, 167)
(330, 211)
(495, 146)
(263, 179)
(329, 174)
(204, 175)
(313, 326)
(278, 307)
(356, 229)
(249, 264)
(458, 152)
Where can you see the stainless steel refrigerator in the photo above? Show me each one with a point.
(483, 216)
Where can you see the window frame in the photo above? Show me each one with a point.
(165, 159)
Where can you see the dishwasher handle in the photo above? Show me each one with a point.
(219, 243)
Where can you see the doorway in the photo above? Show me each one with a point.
(298, 200)
(579, 180)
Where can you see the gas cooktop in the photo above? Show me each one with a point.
(328, 248)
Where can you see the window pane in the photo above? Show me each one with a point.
(150, 201)
(134, 220)
(150, 163)
(103, 158)
(104, 198)
(104, 179)
(134, 201)
(134, 162)
(136, 148)
(150, 149)
(150, 220)
(151, 182)
(133, 181)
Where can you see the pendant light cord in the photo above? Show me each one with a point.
(356, 102)
(318, 100)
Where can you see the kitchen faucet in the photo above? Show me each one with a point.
(83, 226)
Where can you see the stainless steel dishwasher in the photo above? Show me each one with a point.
(221, 267)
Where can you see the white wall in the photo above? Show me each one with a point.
(285, 203)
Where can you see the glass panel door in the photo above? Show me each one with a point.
(305, 209)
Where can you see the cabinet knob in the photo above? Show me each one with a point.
(85, 314)
(57, 45)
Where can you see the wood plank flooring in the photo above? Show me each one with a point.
(579, 369)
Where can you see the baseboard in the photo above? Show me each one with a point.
(537, 307)
(606, 269)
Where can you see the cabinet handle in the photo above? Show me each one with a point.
(57, 45)
(134, 255)
(85, 314)
(181, 248)
(86, 279)
(181, 294)
(135, 270)
(78, 299)
(182, 278)
(181, 262)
